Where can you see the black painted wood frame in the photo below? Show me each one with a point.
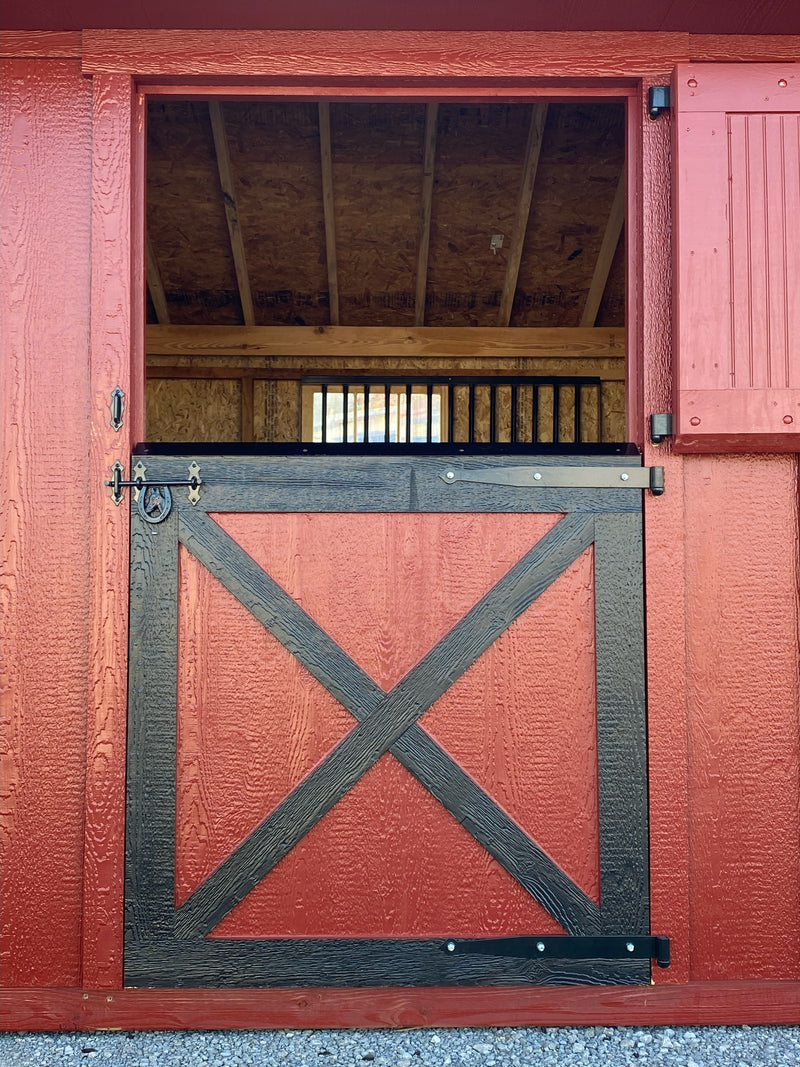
(168, 946)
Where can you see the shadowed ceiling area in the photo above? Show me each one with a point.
(385, 214)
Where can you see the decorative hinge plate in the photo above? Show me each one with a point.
(153, 499)
(544, 477)
(561, 947)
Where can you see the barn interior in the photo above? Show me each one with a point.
(393, 272)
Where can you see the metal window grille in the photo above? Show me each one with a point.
(460, 410)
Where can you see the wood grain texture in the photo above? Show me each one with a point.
(40, 44)
(152, 725)
(704, 1003)
(228, 187)
(353, 756)
(605, 258)
(621, 725)
(44, 288)
(737, 198)
(742, 641)
(329, 210)
(426, 205)
(115, 244)
(385, 483)
(392, 53)
(415, 341)
(650, 281)
(384, 786)
(325, 961)
(520, 226)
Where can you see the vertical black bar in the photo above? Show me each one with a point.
(366, 413)
(345, 411)
(514, 402)
(152, 729)
(429, 423)
(451, 397)
(324, 413)
(621, 731)
(535, 415)
(493, 413)
(577, 432)
(408, 412)
(387, 394)
(471, 388)
(556, 413)
(600, 424)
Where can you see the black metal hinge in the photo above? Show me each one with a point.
(637, 947)
(660, 426)
(658, 100)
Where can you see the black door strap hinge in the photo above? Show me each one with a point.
(658, 100)
(154, 499)
(567, 477)
(636, 947)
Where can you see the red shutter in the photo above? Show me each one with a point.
(737, 240)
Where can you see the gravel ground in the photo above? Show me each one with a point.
(702, 1046)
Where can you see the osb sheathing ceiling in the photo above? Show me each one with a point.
(257, 215)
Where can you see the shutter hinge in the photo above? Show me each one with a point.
(660, 427)
(658, 100)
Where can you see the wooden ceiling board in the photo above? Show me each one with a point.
(581, 161)
(377, 152)
(377, 180)
(275, 158)
(479, 159)
(186, 218)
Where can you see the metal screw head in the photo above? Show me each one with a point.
(450, 475)
(540, 946)
(624, 477)
(451, 946)
(537, 477)
(629, 946)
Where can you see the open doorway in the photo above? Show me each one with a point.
(386, 272)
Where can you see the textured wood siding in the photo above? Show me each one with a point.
(46, 175)
(722, 598)
(738, 257)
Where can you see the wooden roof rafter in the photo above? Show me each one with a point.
(605, 256)
(231, 209)
(155, 285)
(529, 167)
(426, 212)
(326, 159)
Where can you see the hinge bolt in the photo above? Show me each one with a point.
(451, 946)
(450, 475)
(624, 477)
(537, 477)
(630, 946)
(540, 946)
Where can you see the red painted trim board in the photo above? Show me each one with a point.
(710, 1003)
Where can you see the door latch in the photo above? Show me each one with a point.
(154, 499)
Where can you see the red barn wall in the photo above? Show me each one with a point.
(723, 648)
(46, 194)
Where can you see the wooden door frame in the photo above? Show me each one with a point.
(126, 67)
